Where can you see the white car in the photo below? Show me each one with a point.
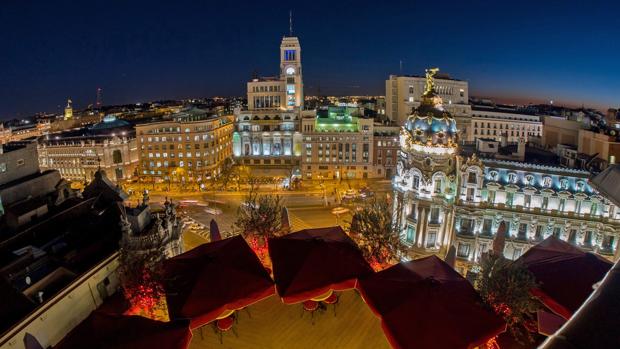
(213, 210)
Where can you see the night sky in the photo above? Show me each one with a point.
(566, 51)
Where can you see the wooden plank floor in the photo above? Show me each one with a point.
(274, 325)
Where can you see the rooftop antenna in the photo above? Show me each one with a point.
(401, 66)
(290, 23)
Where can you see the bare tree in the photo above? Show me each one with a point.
(260, 215)
(378, 233)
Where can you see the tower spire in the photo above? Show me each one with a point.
(290, 23)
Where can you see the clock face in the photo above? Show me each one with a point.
(290, 71)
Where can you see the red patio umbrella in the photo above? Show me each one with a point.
(214, 278)
(107, 331)
(565, 273)
(311, 262)
(426, 304)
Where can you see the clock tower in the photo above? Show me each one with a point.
(290, 72)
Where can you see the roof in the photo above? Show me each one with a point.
(215, 277)
(606, 183)
(108, 331)
(557, 264)
(310, 262)
(425, 303)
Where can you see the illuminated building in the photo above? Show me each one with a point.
(268, 132)
(190, 147)
(488, 122)
(425, 182)
(403, 93)
(443, 198)
(337, 144)
(109, 145)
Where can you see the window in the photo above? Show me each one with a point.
(587, 238)
(562, 204)
(434, 215)
(289, 55)
(410, 237)
(594, 209)
(545, 202)
(437, 186)
(117, 157)
(463, 250)
(509, 198)
(516, 253)
(522, 234)
(572, 236)
(471, 178)
(491, 196)
(431, 240)
(416, 182)
(557, 231)
(467, 226)
(486, 226)
(539, 232)
(527, 200)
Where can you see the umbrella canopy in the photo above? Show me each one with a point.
(214, 231)
(565, 273)
(108, 331)
(213, 278)
(425, 303)
(310, 262)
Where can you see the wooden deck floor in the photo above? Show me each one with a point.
(274, 325)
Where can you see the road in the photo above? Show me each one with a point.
(307, 209)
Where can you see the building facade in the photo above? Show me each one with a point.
(490, 123)
(443, 200)
(337, 144)
(267, 137)
(268, 132)
(190, 147)
(425, 182)
(78, 158)
(404, 93)
(386, 147)
(534, 201)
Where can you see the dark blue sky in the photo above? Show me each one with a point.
(139, 51)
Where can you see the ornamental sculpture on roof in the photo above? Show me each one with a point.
(429, 89)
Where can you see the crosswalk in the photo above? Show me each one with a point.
(297, 223)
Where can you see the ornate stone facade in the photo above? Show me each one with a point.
(442, 199)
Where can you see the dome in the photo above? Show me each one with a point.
(109, 122)
(430, 125)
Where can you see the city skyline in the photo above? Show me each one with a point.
(143, 53)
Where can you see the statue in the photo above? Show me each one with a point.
(429, 89)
